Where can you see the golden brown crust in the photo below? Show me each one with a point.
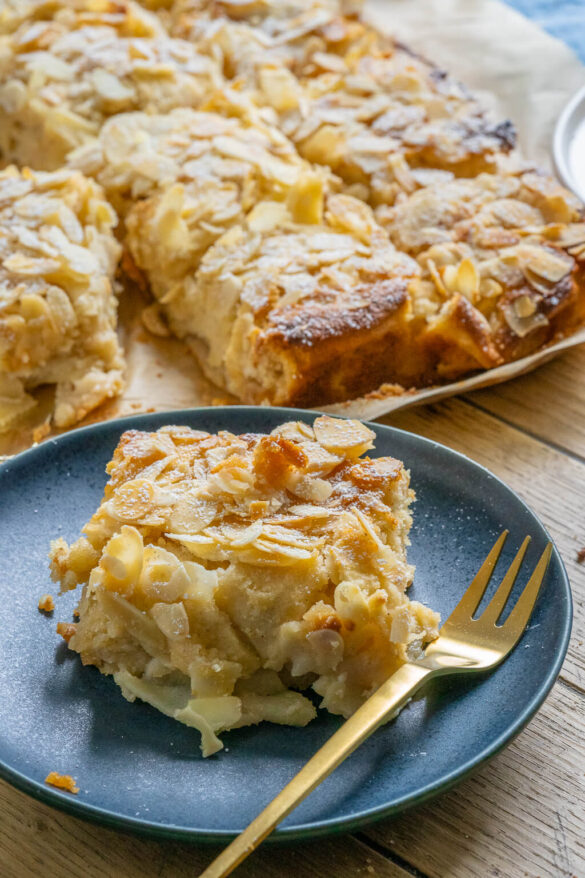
(290, 299)
(461, 325)
(366, 311)
(336, 353)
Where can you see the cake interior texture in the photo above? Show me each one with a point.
(224, 576)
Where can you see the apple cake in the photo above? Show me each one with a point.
(282, 311)
(62, 76)
(316, 209)
(58, 255)
(126, 15)
(252, 37)
(223, 574)
(502, 266)
(350, 98)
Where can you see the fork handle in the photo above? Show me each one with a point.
(391, 696)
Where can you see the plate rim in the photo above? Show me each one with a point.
(561, 139)
(105, 817)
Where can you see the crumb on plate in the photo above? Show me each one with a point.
(66, 630)
(46, 603)
(62, 782)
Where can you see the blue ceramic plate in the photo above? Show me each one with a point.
(139, 770)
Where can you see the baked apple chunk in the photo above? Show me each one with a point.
(224, 575)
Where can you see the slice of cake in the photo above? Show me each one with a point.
(350, 98)
(62, 76)
(502, 261)
(58, 255)
(283, 312)
(284, 308)
(225, 574)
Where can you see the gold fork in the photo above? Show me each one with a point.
(464, 644)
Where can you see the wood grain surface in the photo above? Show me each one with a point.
(550, 481)
(548, 403)
(520, 816)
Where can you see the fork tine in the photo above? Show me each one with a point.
(494, 609)
(472, 597)
(518, 618)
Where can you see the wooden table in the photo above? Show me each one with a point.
(521, 815)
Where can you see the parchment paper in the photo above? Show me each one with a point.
(520, 72)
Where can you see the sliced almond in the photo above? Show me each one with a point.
(349, 438)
